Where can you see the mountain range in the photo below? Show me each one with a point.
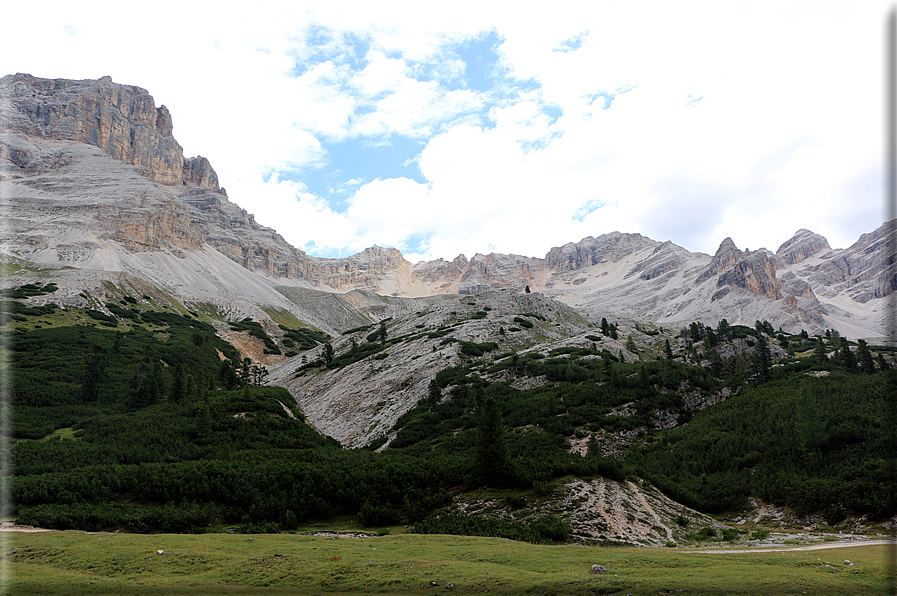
(93, 182)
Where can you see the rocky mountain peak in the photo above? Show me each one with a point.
(756, 273)
(725, 258)
(802, 245)
(122, 120)
(612, 247)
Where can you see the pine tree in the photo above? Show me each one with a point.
(177, 386)
(492, 448)
(667, 350)
(762, 361)
(722, 329)
(848, 359)
(864, 356)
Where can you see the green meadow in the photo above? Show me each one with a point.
(74, 562)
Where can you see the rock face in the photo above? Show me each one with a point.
(756, 273)
(589, 251)
(802, 246)
(121, 120)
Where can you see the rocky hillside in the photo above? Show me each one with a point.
(378, 380)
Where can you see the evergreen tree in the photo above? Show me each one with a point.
(492, 449)
(864, 357)
(176, 393)
(96, 365)
(848, 359)
(190, 388)
(605, 330)
(328, 352)
(259, 373)
(819, 350)
(667, 350)
(762, 361)
(382, 332)
(716, 363)
(630, 345)
(722, 329)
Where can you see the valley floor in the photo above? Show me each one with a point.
(102, 563)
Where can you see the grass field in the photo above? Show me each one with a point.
(84, 563)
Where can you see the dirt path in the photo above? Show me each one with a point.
(780, 549)
(12, 528)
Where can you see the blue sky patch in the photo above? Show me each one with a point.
(322, 44)
(589, 207)
(608, 96)
(481, 61)
(416, 243)
(352, 163)
(572, 44)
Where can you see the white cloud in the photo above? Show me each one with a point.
(787, 133)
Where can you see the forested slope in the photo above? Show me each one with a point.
(146, 420)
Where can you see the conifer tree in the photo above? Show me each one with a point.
(864, 357)
(492, 448)
(762, 360)
(848, 359)
(177, 386)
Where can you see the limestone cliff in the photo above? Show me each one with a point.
(122, 120)
(803, 245)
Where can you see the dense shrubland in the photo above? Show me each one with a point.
(145, 427)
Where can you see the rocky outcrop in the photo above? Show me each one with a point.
(756, 273)
(235, 233)
(440, 275)
(803, 244)
(122, 120)
(664, 259)
(373, 269)
(725, 258)
(497, 271)
(590, 251)
(198, 172)
(860, 271)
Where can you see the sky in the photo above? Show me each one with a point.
(479, 127)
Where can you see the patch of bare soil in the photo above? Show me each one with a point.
(251, 347)
(780, 549)
(11, 527)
